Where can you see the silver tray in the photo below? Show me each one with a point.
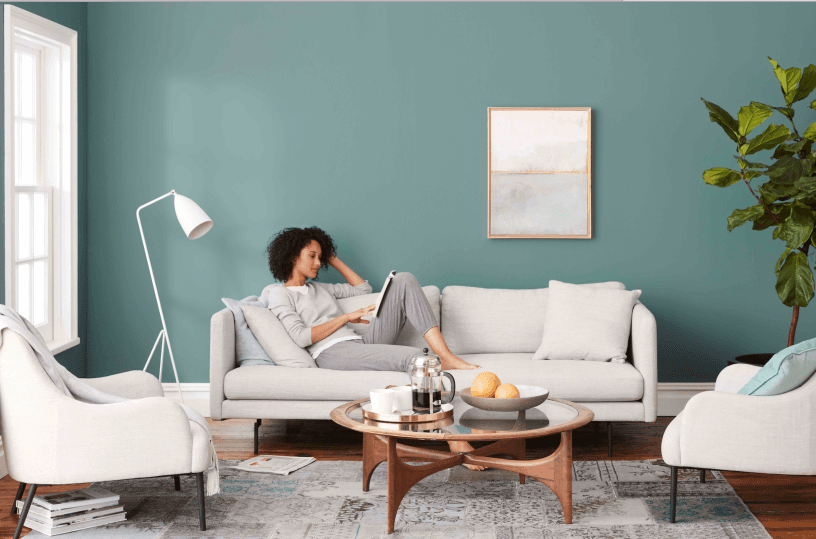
(406, 416)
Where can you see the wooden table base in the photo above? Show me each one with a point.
(555, 471)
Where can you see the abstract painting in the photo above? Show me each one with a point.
(539, 172)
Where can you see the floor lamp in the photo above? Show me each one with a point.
(195, 224)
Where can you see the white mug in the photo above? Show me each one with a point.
(403, 399)
(382, 401)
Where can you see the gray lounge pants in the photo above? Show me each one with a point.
(404, 301)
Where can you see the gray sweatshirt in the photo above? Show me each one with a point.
(300, 308)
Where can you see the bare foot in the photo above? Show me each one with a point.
(464, 447)
(453, 362)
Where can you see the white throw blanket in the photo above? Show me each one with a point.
(74, 387)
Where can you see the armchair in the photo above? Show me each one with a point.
(723, 430)
(53, 439)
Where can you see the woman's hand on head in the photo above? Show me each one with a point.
(356, 317)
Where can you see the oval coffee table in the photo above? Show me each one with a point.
(507, 430)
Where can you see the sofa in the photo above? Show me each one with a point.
(498, 329)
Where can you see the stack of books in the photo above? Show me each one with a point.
(54, 514)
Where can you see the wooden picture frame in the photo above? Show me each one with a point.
(542, 183)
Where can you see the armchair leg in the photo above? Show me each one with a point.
(24, 513)
(702, 476)
(673, 500)
(177, 482)
(257, 426)
(19, 496)
(609, 439)
(202, 520)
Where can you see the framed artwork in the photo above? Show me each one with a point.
(539, 172)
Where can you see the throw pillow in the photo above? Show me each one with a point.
(587, 323)
(248, 351)
(274, 339)
(785, 371)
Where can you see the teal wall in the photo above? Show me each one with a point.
(369, 120)
(72, 15)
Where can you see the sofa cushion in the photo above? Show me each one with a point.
(263, 382)
(586, 323)
(583, 381)
(274, 338)
(495, 320)
(408, 336)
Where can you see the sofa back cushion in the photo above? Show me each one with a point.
(495, 320)
(409, 336)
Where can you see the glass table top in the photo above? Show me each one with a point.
(469, 420)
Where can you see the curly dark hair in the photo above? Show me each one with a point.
(287, 244)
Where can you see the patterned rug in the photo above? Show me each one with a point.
(324, 500)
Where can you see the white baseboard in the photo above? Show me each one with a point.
(196, 396)
(672, 397)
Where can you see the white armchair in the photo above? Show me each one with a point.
(52, 439)
(723, 430)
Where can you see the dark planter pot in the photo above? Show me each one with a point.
(752, 359)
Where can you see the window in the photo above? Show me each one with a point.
(41, 174)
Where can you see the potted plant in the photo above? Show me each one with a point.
(786, 200)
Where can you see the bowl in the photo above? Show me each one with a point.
(530, 397)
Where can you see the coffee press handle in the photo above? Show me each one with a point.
(452, 389)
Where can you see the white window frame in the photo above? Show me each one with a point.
(57, 139)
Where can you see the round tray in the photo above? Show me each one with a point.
(531, 396)
(405, 417)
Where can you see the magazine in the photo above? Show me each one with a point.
(65, 528)
(274, 464)
(76, 498)
(382, 293)
(76, 516)
(43, 512)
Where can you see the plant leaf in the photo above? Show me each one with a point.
(797, 228)
(740, 217)
(750, 117)
(794, 148)
(810, 132)
(788, 79)
(780, 261)
(747, 164)
(751, 174)
(721, 177)
(794, 283)
(780, 151)
(721, 117)
(773, 135)
(807, 84)
(786, 170)
(771, 192)
(781, 211)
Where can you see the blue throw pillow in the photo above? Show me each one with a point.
(785, 371)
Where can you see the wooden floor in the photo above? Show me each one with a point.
(786, 505)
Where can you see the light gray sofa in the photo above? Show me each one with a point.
(495, 328)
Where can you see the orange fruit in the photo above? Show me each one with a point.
(507, 391)
(484, 385)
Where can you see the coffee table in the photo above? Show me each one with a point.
(507, 430)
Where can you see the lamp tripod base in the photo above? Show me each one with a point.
(165, 340)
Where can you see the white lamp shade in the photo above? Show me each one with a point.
(191, 217)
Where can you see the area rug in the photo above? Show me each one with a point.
(611, 499)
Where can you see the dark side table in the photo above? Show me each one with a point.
(751, 359)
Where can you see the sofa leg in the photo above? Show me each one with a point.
(673, 495)
(609, 439)
(177, 482)
(202, 519)
(257, 426)
(19, 496)
(702, 476)
(24, 513)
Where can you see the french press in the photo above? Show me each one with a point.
(426, 383)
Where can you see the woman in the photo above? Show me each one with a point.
(313, 318)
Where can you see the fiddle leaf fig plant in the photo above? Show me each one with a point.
(786, 194)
